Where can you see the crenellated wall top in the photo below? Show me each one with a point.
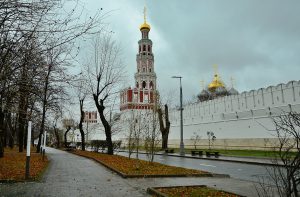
(244, 94)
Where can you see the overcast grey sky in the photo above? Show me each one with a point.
(256, 42)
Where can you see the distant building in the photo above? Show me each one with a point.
(90, 117)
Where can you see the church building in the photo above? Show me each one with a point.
(143, 95)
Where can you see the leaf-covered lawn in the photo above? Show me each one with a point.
(12, 165)
(196, 191)
(138, 167)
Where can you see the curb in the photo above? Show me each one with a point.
(154, 191)
(123, 175)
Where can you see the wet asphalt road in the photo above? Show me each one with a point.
(249, 172)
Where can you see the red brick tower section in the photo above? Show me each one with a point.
(144, 94)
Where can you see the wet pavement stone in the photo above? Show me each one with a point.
(71, 175)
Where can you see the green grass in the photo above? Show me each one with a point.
(241, 153)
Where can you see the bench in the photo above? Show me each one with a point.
(195, 152)
(169, 150)
(216, 154)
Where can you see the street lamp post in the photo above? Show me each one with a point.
(181, 118)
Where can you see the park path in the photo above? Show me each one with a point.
(69, 175)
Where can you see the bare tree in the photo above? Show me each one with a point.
(288, 133)
(285, 174)
(131, 126)
(163, 116)
(104, 75)
(68, 124)
(81, 94)
(29, 30)
(164, 125)
(195, 139)
(151, 133)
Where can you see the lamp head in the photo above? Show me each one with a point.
(178, 77)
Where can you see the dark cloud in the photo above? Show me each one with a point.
(256, 42)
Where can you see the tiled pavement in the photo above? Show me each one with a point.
(71, 175)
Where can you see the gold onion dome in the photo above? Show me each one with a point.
(216, 83)
(145, 26)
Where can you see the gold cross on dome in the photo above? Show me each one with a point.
(145, 12)
(202, 84)
(232, 81)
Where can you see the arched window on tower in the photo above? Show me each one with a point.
(144, 69)
(144, 84)
(144, 47)
(151, 85)
(140, 48)
(149, 48)
(137, 84)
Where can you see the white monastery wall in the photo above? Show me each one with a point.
(247, 115)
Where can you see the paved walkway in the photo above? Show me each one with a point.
(71, 175)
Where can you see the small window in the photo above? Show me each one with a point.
(140, 48)
(151, 85)
(144, 69)
(148, 47)
(150, 70)
(144, 47)
(144, 84)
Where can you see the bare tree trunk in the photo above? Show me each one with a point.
(107, 127)
(12, 131)
(21, 121)
(5, 133)
(45, 93)
(1, 132)
(80, 125)
(164, 129)
(57, 137)
(68, 129)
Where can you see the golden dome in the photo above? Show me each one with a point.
(216, 83)
(145, 26)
